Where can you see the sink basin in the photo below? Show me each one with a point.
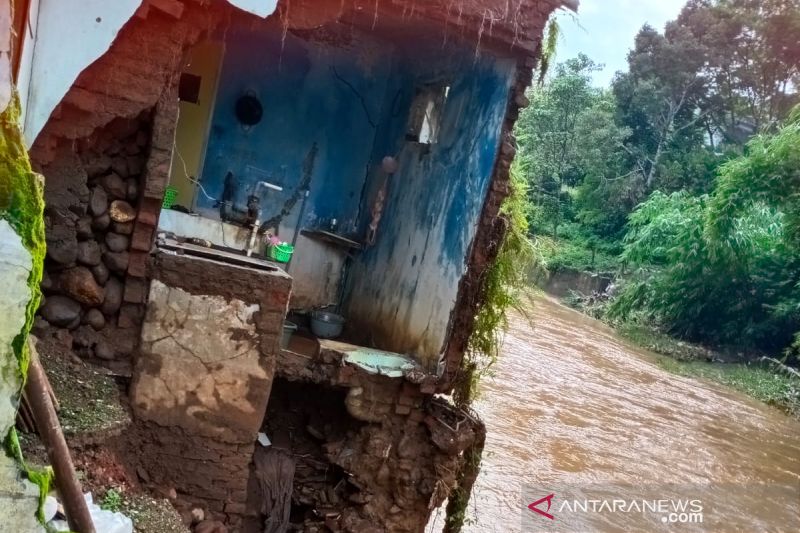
(228, 255)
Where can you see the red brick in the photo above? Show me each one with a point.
(137, 263)
(149, 211)
(142, 239)
(135, 290)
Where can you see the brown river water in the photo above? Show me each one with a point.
(571, 404)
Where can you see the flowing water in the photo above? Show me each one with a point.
(572, 403)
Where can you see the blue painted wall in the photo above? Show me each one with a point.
(304, 102)
(403, 289)
(400, 292)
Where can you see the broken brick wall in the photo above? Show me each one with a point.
(368, 452)
(105, 153)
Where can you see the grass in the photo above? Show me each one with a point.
(575, 254)
(756, 379)
(664, 344)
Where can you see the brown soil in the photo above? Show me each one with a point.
(93, 418)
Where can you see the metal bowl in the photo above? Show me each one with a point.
(326, 325)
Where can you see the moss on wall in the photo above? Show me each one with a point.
(22, 206)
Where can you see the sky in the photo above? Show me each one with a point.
(604, 30)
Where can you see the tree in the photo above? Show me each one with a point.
(606, 193)
(751, 62)
(658, 100)
(548, 140)
(723, 268)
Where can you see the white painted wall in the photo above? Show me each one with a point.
(262, 8)
(70, 35)
(26, 61)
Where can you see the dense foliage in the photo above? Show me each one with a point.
(683, 177)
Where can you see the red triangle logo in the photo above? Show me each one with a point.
(549, 499)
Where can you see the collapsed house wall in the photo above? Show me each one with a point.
(113, 132)
(394, 455)
(402, 456)
(402, 289)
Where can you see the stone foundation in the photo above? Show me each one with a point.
(91, 213)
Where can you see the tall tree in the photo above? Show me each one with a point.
(548, 138)
(751, 62)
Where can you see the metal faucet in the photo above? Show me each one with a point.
(254, 199)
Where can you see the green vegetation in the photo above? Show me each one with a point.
(681, 179)
(757, 380)
(22, 205)
(503, 284)
(112, 501)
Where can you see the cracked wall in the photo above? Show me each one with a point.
(203, 376)
(200, 358)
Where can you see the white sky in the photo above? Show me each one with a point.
(604, 30)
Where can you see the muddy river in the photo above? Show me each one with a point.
(572, 406)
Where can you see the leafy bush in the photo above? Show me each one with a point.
(736, 290)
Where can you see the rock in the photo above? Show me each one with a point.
(113, 299)
(47, 284)
(135, 165)
(122, 211)
(100, 273)
(116, 261)
(142, 138)
(85, 337)
(123, 228)
(98, 202)
(117, 242)
(115, 186)
(83, 228)
(62, 244)
(104, 350)
(132, 189)
(60, 311)
(101, 223)
(64, 338)
(40, 326)
(79, 283)
(97, 164)
(66, 185)
(210, 526)
(198, 515)
(75, 323)
(120, 166)
(95, 319)
(89, 253)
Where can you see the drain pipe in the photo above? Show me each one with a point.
(297, 227)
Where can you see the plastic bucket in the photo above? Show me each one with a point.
(281, 252)
(288, 330)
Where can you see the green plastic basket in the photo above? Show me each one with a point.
(169, 197)
(281, 252)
